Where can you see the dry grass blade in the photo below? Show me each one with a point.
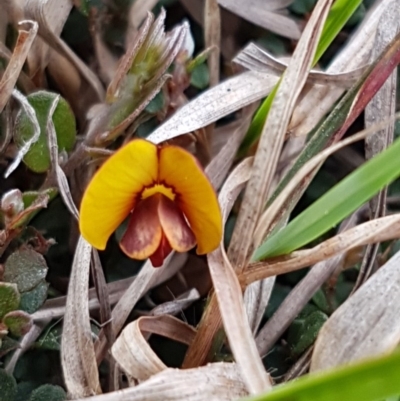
(30, 111)
(366, 325)
(219, 101)
(77, 352)
(55, 307)
(229, 294)
(134, 354)
(177, 305)
(219, 166)
(17, 60)
(214, 382)
(262, 13)
(299, 296)
(268, 218)
(56, 169)
(256, 298)
(319, 100)
(254, 58)
(212, 28)
(383, 229)
(272, 137)
(45, 13)
(382, 106)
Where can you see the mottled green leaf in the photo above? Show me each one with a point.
(9, 298)
(200, 77)
(7, 344)
(8, 386)
(48, 392)
(32, 300)
(304, 331)
(26, 268)
(18, 322)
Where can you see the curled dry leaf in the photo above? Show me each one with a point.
(17, 60)
(77, 351)
(214, 382)
(132, 351)
(366, 325)
(147, 277)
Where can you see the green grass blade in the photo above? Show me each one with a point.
(372, 380)
(335, 205)
(339, 14)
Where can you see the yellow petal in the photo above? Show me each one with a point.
(114, 190)
(194, 195)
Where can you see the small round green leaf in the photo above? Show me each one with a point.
(8, 386)
(32, 300)
(9, 298)
(48, 392)
(26, 268)
(38, 156)
(18, 322)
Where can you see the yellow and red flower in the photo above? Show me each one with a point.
(165, 194)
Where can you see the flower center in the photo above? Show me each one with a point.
(158, 189)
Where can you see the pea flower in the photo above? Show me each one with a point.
(164, 194)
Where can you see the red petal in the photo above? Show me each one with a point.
(144, 233)
(157, 259)
(174, 225)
